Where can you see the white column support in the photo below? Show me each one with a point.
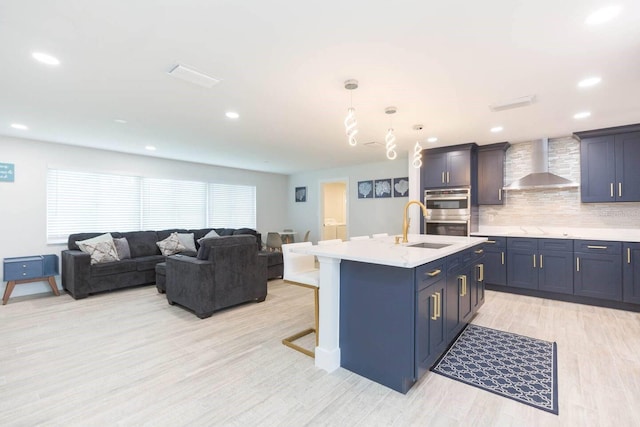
(328, 349)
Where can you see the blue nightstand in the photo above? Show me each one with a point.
(39, 268)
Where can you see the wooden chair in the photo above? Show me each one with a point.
(274, 241)
(300, 269)
(306, 236)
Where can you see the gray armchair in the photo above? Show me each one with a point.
(226, 272)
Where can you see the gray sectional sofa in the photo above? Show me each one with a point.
(81, 278)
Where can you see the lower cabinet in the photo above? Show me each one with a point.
(540, 264)
(598, 269)
(495, 266)
(631, 273)
(459, 308)
(430, 325)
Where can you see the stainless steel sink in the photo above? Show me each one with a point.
(427, 245)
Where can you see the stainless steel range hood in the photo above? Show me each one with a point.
(540, 177)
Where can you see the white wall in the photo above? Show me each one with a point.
(23, 202)
(364, 216)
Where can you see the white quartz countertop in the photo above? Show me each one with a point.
(616, 234)
(384, 251)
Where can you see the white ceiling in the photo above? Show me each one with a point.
(283, 65)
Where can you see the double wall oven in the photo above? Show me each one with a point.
(449, 212)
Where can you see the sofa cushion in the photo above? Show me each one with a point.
(101, 248)
(171, 245)
(148, 262)
(207, 244)
(116, 267)
(163, 234)
(122, 248)
(186, 239)
(142, 243)
(225, 231)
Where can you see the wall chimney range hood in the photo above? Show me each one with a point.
(540, 177)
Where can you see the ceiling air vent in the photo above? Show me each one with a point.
(193, 76)
(514, 103)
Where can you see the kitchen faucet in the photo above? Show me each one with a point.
(405, 220)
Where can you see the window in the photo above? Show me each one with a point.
(87, 202)
(232, 206)
(83, 202)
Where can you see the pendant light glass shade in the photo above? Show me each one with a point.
(390, 140)
(417, 156)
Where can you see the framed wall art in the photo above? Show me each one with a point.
(301, 194)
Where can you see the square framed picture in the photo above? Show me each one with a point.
(401, 187)
(301, 194)
(365, 189)
(382, 188)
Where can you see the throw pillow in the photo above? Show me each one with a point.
(186, 239)
(212, 233)
(171, 245)
(100, 248)
(122, 248)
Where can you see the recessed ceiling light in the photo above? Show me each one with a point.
(496, 129)
(582, 115)
(19, 126)
(120, 121)
(150, 148)
(603, 15)
(232, 115)
(432, 139)
(590, 81)
(45, 58)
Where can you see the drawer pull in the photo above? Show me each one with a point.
(435, 307)
(499, 194)
(540, 260)
(433, 273)
(628, 255)
(480, 272)
(612, 189)
(443, 179)
(439, 305)
(479, 251)
(619, 189)
(534, 260)
(502, 253)
(493, 242)
(447, 177)
(577, 263)
(596, 247)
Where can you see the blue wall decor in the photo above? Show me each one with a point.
(7, 172)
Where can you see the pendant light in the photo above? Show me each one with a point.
(390, 138)
(350, 123)
(417, 149)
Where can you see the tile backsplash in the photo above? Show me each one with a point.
(554, 207)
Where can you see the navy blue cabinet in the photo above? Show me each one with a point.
(540, 264)
(458, 306)
(430, 326)
(491, 173)
(598, 269)
(495, 267)
(631, 272)
(449, 166)
(608, 164)
(477, 279)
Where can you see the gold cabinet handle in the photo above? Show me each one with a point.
(479, 251)
(480, 272)
(439, 305)
(443, 180)
(499, 194)
(493, 242)
(461, 285)
(540, 260)
(619, 189)
(434, 273)
(628, 255)
(502, 253)
(447, 177)
(435, 310)
(612, 189)
(534, 260)
(577, 263)
(596, 247)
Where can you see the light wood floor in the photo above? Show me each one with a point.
(128, 358)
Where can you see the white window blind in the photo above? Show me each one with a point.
(232, 206)
(169, 203)
(88, 202)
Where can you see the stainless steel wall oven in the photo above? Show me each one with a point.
(449, 212)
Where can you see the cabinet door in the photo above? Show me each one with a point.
(466, 295)
(597, 169)
(627, 170)
(495, 268)
(631, 273)
(434, 170)
(490, 177)
(598, 276)
(555, 271)
(522, 268)
(452, 303)
(478, 295)
(430, 329)
(458, 171)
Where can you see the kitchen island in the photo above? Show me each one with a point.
(388, 310)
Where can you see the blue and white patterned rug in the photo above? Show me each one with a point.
(511, 365)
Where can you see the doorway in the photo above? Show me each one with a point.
(333, 210)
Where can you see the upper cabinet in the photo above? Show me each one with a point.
(608, 163)
(491, 173)
(449, 166)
